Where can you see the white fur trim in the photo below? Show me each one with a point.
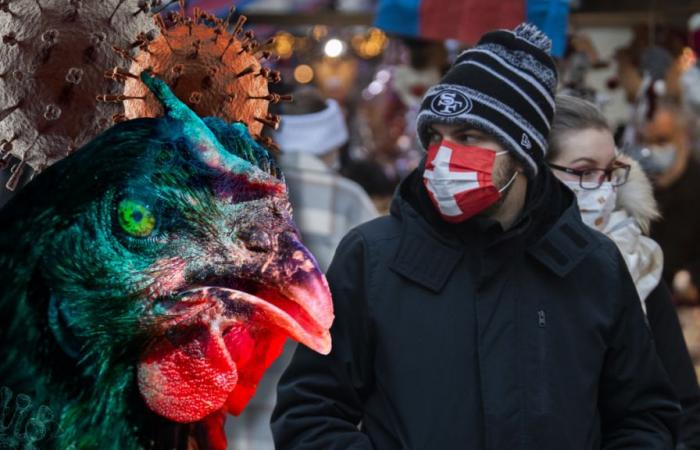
(628, 224)
(643, 256)
(637, 196)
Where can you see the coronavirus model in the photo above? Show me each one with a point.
(52, 61)
(213, 71)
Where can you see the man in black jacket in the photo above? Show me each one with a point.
(482, 314)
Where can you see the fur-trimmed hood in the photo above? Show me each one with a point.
(627, 226)
(636, 196)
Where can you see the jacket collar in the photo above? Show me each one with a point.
(424, 256)
(428, 257)
(566, 243)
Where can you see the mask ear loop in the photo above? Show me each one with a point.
(512, 180)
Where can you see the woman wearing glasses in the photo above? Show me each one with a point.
(615, 197)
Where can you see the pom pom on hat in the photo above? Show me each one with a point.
(534, 36)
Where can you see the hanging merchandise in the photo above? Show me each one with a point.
(551, 16)
(465, 20)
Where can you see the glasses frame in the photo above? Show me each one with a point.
(608, 174)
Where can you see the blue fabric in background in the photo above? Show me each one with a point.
(403, 17)
(399, 16)
(551, 16)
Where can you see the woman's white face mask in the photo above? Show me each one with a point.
(595, 205)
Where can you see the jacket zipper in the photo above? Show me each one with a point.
(542, 356)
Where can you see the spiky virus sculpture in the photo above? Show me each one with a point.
(213, 71)
(53, 57)
(149, 279)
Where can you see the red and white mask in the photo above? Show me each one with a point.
(459, 179)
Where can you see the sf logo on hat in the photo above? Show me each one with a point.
(450, 103)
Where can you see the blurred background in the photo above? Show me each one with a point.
(358, 69)
(635, 59)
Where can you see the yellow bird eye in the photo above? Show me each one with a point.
(135, 218)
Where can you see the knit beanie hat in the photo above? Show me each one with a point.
(504, 87)
(316, 133)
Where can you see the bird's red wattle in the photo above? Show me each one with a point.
(266, 345)
(217, 344)
(187, 380)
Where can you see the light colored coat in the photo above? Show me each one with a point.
(628, 226)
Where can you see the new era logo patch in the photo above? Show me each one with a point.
(525, 142)
(450, 103)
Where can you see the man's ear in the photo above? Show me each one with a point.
(518, 165)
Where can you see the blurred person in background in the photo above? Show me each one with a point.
(580, 59)
(391, 102)
(326, 204)
(675, 174)
(690, 86)
(641, 73)
(325, 207)
(373, 178)
(657, 135)
(616, 198)
(676, 178)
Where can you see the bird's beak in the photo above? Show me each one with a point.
(218, 340)
(293, 283)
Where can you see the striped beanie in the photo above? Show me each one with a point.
(504, 87)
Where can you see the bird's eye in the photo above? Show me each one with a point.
(135, 218)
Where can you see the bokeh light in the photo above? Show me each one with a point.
(334, 48)
(284, 45)
(303, 74)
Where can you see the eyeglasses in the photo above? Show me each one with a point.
(594, 178)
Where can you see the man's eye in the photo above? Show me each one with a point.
(469, 139)
(435, 138)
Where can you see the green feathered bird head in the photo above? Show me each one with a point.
(156, 269)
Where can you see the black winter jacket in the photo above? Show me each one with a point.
(671, 348)
(469, 337)
(677, 231)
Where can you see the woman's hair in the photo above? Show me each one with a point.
(573, 114)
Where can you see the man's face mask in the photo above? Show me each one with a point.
(662, 158)
(459, 179)
(595, 205)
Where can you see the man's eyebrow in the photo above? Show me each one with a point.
(468, 129)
